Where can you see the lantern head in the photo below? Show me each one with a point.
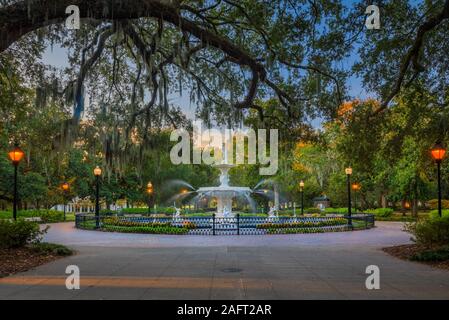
(355, 186)
(150, 187)
(65, 186)
(97, 171)
(16, 155)
(438, 152)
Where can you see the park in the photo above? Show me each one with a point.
(224, 150)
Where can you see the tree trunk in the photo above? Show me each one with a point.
(415, 199)
(383, 200)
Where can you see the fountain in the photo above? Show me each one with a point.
(224, 193)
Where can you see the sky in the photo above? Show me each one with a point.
(58, 57)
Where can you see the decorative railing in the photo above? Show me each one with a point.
(238, 225)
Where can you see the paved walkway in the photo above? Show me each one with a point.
(303, 266)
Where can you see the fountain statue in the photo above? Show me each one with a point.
(177, 215)
(226, 212)
(272, 213)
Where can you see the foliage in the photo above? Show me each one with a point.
(297, 230)
(133, 223)
(401, 218)
(434, 213)
(51, 248)
(147, 229)
(303, 224)
(433, 204)
(164, 210)
(381, 212)
(15, 234)
(313, 210)
(378, 212)
(430, 232)
(47, 216)
(336, 210)
(440, 254)
(285, 59)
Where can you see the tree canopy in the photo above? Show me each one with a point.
(260, 63)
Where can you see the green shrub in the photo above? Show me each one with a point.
(105, 212)
(164, 210)
(336, 210)
(440, 254)
(15, 234)
(253, 214)
(381, 212)
(51, 248)
(50, 216)
(434, 213)
(47, 216)
(302, 224)
(430, 232)
(114, 221)
(297, 211)
(433, 204)
(396, 218)
(312, 210)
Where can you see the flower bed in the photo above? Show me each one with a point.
(146, 229)
(253, 225)
(303, 224)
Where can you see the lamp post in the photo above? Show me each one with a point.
(15, 155)
(301, 191)
(348, 172)
(65, 188)
(438, 154)
(150, 192)
(355, 187)
(97, 174)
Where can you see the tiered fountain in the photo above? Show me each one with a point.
(224, 193)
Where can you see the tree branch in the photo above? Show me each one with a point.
(413, 54)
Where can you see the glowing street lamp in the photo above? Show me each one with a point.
(150, 191)
(301, 191)
(65, 188)
(149, 188)
(97, 174)
(348, 172)
(355, 187)
(438, 153)
(15, 155)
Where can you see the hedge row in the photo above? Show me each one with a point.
(47, 216)
(379, 212)
(303, 224)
